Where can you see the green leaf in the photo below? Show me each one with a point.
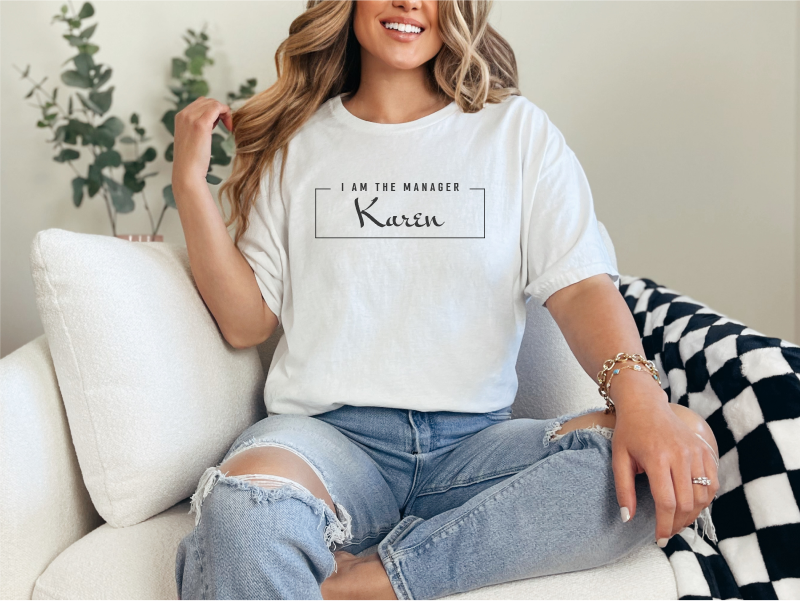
(54, 94)
(178, 67)
(41, 123)
(69, 106)
(169, 121)
(66, 154)
(63, 9)
(213, 179)
(102, 137)
(102, 99)
(169, 197)
(84, 63)
(104, 77)
(76, 79)
(74, 23)
(60, 134)
(108, 158)
(25, 73)
(94, 181)
(134, 119)
(89, 104)
(168, 151)
(203, 37)
(87, 33)
(196, 51)
(72, 131)
(149, 154)
(134, 167)
(127, 140)
(89, 48)
(198, 88)
(218, 155)
(87, 10)
(229, 145)
(196, 65)
(77, 190)
(121, 196)
(29, 94)
(114, 125)
(74, 40)
(131, 182)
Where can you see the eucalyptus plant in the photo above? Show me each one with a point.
(188, 71)
(78, 126)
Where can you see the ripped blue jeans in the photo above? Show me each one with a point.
(453, 501)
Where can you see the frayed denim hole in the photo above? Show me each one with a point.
(556, 424)
(338, 526)
(603, 431)
(254, 442)
(550, 432)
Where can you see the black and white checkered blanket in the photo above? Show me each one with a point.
(747, 387)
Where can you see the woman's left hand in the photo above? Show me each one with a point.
(649, 437)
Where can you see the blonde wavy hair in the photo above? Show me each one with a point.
(321, 58)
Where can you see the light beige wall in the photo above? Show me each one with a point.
(684, 116)
(797, 173)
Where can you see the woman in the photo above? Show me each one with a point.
(397, 203)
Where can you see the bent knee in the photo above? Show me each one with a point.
(273, 467)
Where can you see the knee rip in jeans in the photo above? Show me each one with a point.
(551, 436)
(268, 488)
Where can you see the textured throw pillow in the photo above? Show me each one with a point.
(551, 381)
(152, 391)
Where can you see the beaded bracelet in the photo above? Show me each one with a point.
(609, 364)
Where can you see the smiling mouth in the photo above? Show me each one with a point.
(402, 27)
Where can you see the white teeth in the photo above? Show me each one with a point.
(402, 27)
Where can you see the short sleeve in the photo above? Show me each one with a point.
(263, 243)
(562, 244)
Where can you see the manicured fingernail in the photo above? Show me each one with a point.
(662, 542)
(626, 515)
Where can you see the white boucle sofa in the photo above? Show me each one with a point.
(109, 418)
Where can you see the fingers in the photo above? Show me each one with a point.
(710, 467)
(206, 112)
(663, 491)
(684, 489)
(701, 496)
(227, 119)
(624, 475)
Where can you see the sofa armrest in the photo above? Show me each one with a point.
(44, 505)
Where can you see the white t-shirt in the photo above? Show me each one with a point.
(399, 257)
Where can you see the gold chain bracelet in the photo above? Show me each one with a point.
(604, 378)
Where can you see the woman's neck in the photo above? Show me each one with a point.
(393, 95)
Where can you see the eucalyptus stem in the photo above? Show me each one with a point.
(144, 197)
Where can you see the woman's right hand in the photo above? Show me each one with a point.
(194, 125)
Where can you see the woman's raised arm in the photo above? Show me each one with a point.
(223, 276)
